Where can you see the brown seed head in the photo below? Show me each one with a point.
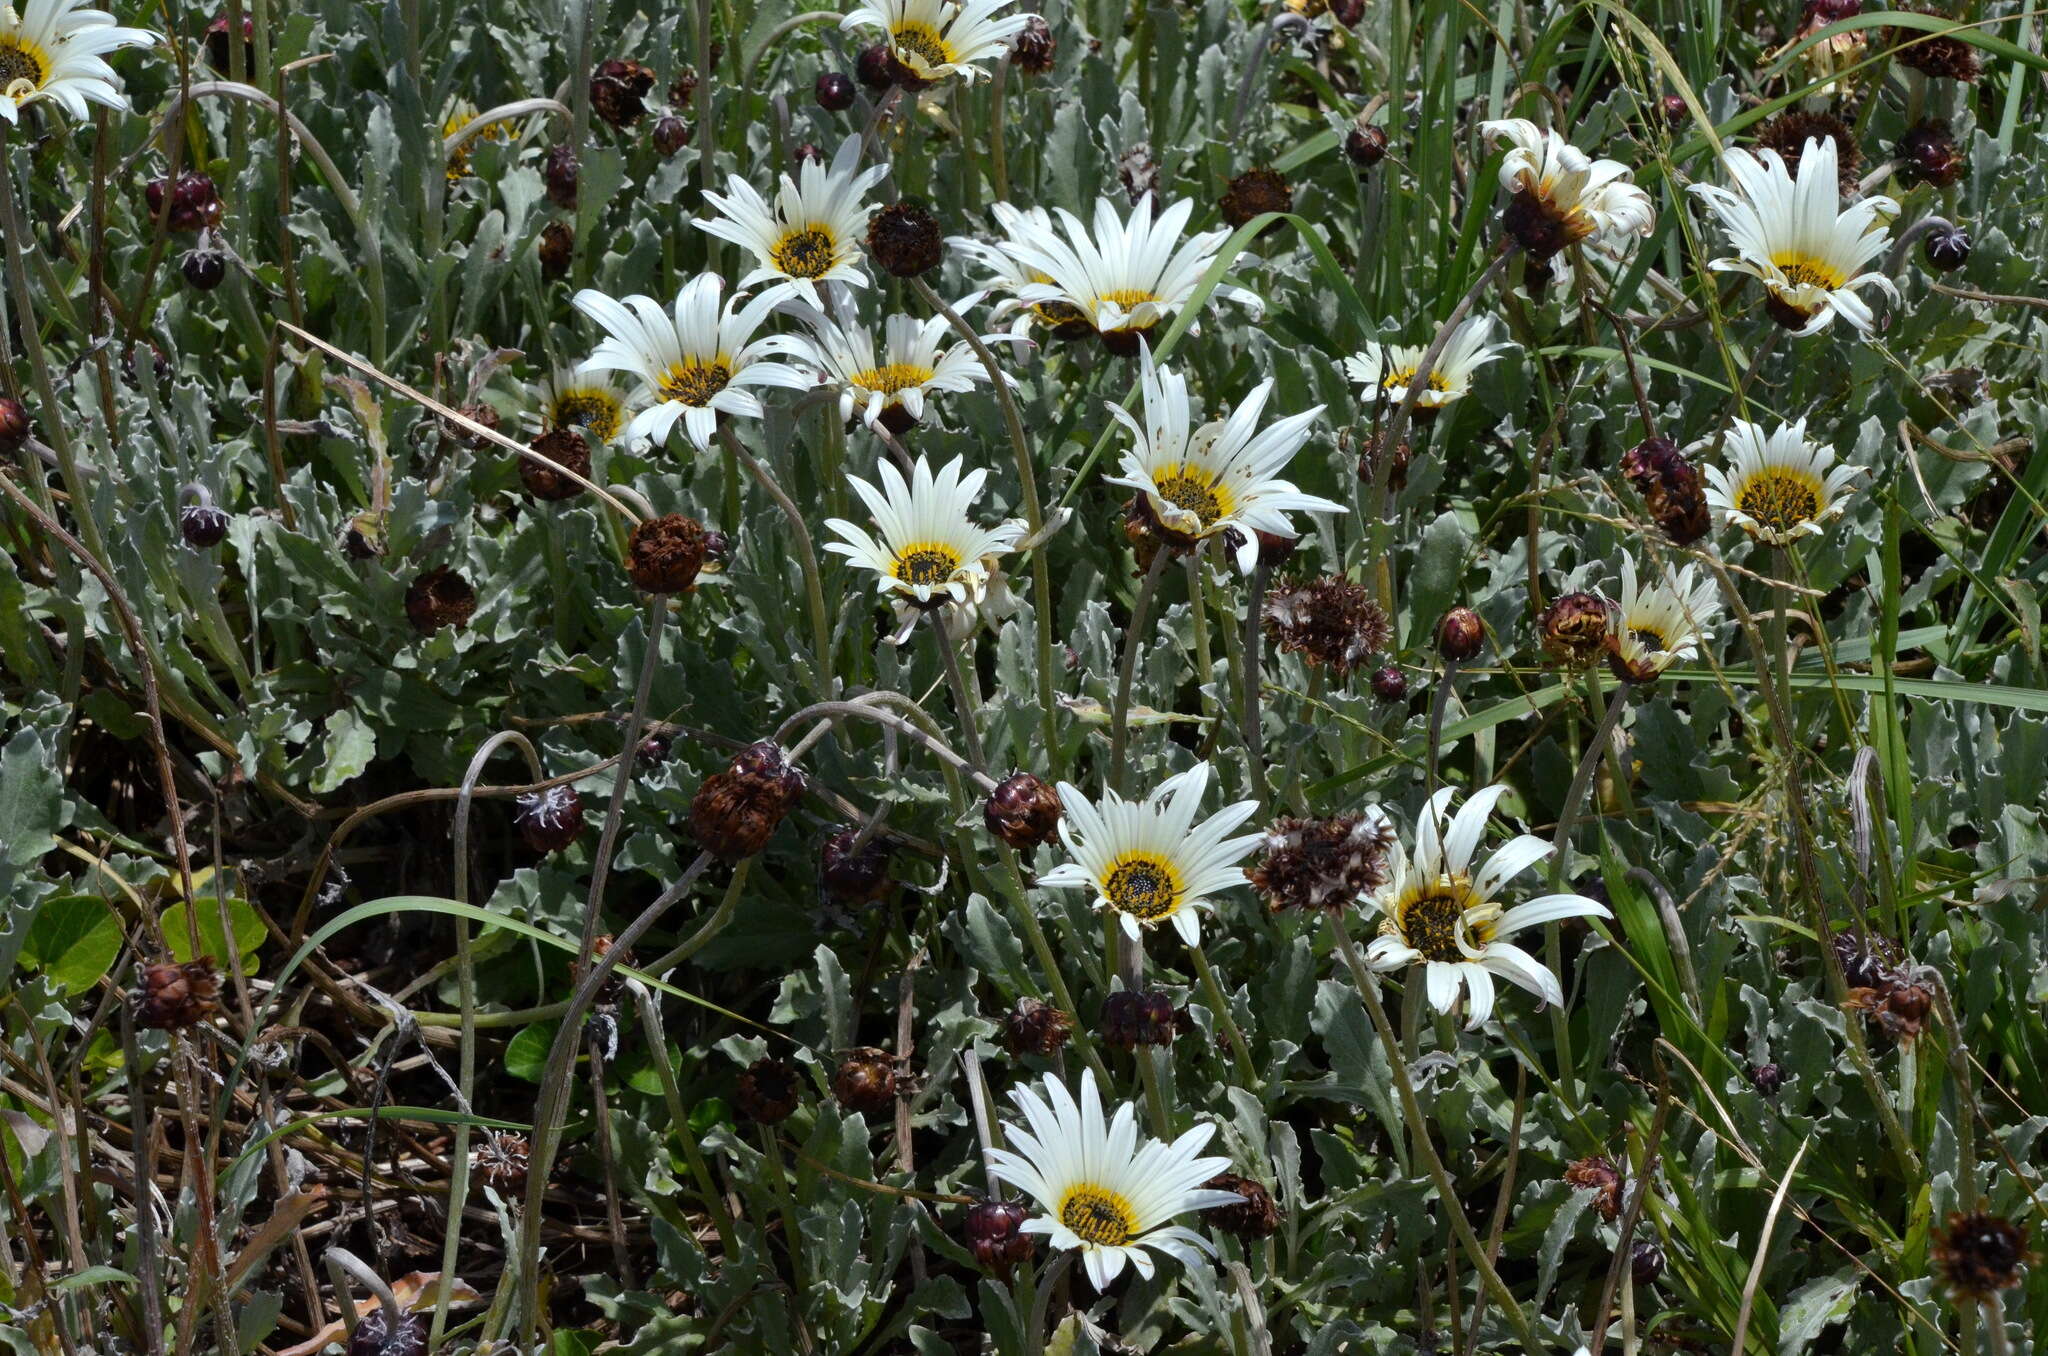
(1035, 1028)
(850, 876)
(501, 1159)
(1789, 132)
(1980, 1254)
(905, 239)
(769, 1091)
(865, 1081)
(664, 555)
(1599, 1176)
(1460, 635)
(994, 1233)
(1131, 1019)
(564, 447)
(1022, 811)
(1256, 191)
(173, 997)
(1671, 488)
(735, 812)
(618, 92)
(1330, 621)
(1253, 1216)
(556, 248)
(1938, 57)
(1323, 863)
(439, 598)
(1574, 629)
(1032, 50)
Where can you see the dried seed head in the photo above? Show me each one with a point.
(1323, 863)
(1253, 1216)
(618, 92)
(1035, 1028)
(876, 68)
(1945, 251)
(1928, 154)
(1032, 50)
(15, 425)
(549, 820)
(850, 876)
(735, 812)
(439, 598)
(204, 526)
(376, 1336)
(994, 1232)
(195, 202)
(1460, 635)
(865, 1081)
(671, 134)
(683, 92)
(1980, 1254)
(173, 997)
(1599, 1176)
(501, 1159)
(1256, 191)
(769, 1091)
(1671, 488)
(905, 239)
(1767, 1078)
(557, 247)
(564, 447)
(1537, 227)
(1938, 57)
(218, 53)
(1390, 684)
(1645, 1262)
(1022, 811)
(664, 555)
(1788, 133)
(834, 92)
(461, 434)
(1867, 958)
(1131, 1019)
(1366, 146)
(1330, 621)
(560, 174)
(1574, 629)
(1139, 173)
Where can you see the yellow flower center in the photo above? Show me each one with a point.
(1192, 488)
(925, 43)
(1778, 499)
(890, 378)
(1142, 885)
(1651, 638)
(596, 412)
(805, 253)
(1130, 298)
(694, 382)
(458, 162)
(1405, 377)
(23, 67)
(1801, 270)
(1098, 1215)
(928, 563)
(1428, 920)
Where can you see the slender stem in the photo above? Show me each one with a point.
(678, 1115)
(998, 158)
(636, 716)
(1247, 1071)
(1445, 686)
(964, 705)
(1254, 736)
(1582, 777)
(1134, 641)
(814, 585)
(1199, 616)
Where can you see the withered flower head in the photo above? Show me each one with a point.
(850, 876)
(549, 820)
(462, 435)
(1980, 1254)
(671, 133)
(1033, 49)
(865, 1081)
(769, 1091)
(1574, 629)
(1323, 863)
(1256, 191)
(618, 92)
(1022, 811)
(1460, 636)
(1131, 1019)
(173, 997)
(1671, 488)
(1788, 133)
(1867, 958)
(561, 174)
(994, 1233)
(500, 1160)
(1599, 1176)
(1929, 154)
(564, 447)
(15, 424)
(664, 555)
(1936, 56)
(440, 597)
(735, 812)
(1253, 1215)
(905, 239)
(557, 246)
(1330, 621)
(1035, 1028)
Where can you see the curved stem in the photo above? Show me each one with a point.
(814, 586)
(1134, 641)
(1582, 777)
(600, 867)
(964, 705)
(482, 122)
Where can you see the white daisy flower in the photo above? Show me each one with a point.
(1106, 1190)
(567, 399)
(1145, 860)
(1797, 238)
(1388, 371)
(51, 49)
(696, 363)
(1022, 225)
(1202, 481)
(1778, 486)
(1658, 622)
(812, 233)
(890, 383)
(1440, 914)
(1561, 195)
(929, 551)
(1126, 277)
(933, 39)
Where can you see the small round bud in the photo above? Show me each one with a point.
(194, 201)
(561, 173)
(1979, 1254)
(1022, 811)
(876, 67)
(769, 1091)
(994, 1232)
(1033, 48)
(1460, 635)
(653, 749)
(1365, 146)
(805, 150)
(1390, 684)
(564, 448)
(854, 876)
(439, 598)
(1675, 111)
(618, 92)
(1645, 1262)
(671, 134)
(204, 268)
(1574, 629)
(203, 525)
(1274, 549)
(549, 820)
(664, 555)
(1255, 192)
(377, 1336)
(1946, 251)
(556, 248)
(1928, 154)
(1767, 1078)
(1130, 1019)
(15, 425)
(865, 1081)
(173, 997)
(1035, 1028)
(905, 239)
(1253, 1215)
(834, 91)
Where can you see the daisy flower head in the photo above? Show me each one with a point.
(53, 49)
(1561, 196)
(1104, 1189)
(1022, 225)
(1658, 621)
(1386, 372)
(889, 383)
(568, 399)
(1778, 487)
(932, 39)
(461, 114)
(1793, 234)
(1198, 482)
(811, 233)
(1439, 913)
(1146, 860)
(928, 551)
(1124, 277)
(695, 361)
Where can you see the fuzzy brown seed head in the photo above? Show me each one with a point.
(1574, 629)
(994, 1233)
(218, 53)
(1023, 811)
(1330, 621)
(203, 526)
(1365, 146)
(1929, 154)
(735, 812)
(1253, 1216)
(618, 92)
(1599, 1176)
(1322, 863)
(439, 598)
(173, 997)
(1671, 488)
(769, 1091)
(564, 447)
(905, 239)
(561, 174)
(1256, 191)
(501, 1160)
(854, 876)
(1460, 636)
(549, 820)
(1035, 1028)
(865, 1081)
(1390, 684)
(15, 424)
(1131, 1019)
(195, 202)
(1980, 1254)
(1938, 57)
(664, 555)
(556, 248)
(1033, 49)
(1789, 132)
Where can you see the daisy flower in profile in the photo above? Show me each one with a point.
(889, 383)
(1064, 319)
(696, 361)
(1561, 196)
(1146, 860)
(567, 399)
(811, 234)
(1388, 371)
(1105, 1190)
(1438, 913)
(1197, 482)
(1658, 622)
(1794, 235)
(1125, 277)
(52, 49)
(929, 551)
(932, 39)
(1778, 486)
(461, 114)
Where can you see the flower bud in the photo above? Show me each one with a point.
(376, 1335)
(15, 425)
(683, 92)
(805, 150)
(994, 1232)
(218, 53)
(664, 555)
(1574, 629)
(1022, 811)
(1671, 488)
(769, 1091)
(834, 92)
(173, 997)
(1867, 958)
(1131, 1019)
(203, 525)
(560, 173)
(556, 248)
(854, 876)
(204, 268)
(1032, 49)
(1928, 154)
(1945, 251)
(194, 201)
(1366, 146)
(735, 812)
(865, 1081)
(1767, 1078)
(1253, 1216)
(671, 134)
(549, 820)
(618, 92)
(1460, 635)
(1390, 684)
(438, 598)
(1645, 1262)
(1675, 111)
(905, 239)
(1254, 192)
(1035, 1028)
(876, 67)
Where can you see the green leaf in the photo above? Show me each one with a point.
(73, 940)
(350, 746)
(526, 1054)
(242, 916)
(32, 803)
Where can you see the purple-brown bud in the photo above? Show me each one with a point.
(439, 598)
(876, 67)
(560, 173)
(905, 239)
(1022, 811)
(173, 997)
(1130, 1019)
(834, 92)
(1035, 1028)
(1366, 146)
(219, 54)
(994, 1233)
(671, 134)
(1389, 684)
(15, 425)
(557, 247)
(195, 202)
(1460, 636)
(203, 525)
(1671, 488)
(549, 820)
(1767, 1078)
(854, 876)
(618, 92)
(1252, 1216)
(769, 1091)
(735, 812)
(1945, 251)
(1032, 50)
(865, 1081)
(1645, 1262)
